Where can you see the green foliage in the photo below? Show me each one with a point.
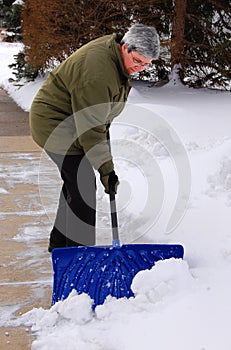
(11, 17)
(8, 3)
(22, 70)
(14, 19)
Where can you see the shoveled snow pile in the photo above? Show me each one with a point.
(172, 309)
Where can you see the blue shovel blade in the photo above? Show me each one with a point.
(100, 271)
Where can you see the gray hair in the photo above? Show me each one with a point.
(143, 39)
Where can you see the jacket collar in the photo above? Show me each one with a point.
(114, 40)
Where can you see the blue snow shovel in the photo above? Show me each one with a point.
(100, 271)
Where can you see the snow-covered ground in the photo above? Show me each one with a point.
(172, 150)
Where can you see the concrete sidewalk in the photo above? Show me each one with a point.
(25, 265)
(13, 120)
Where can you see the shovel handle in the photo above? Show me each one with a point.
(114, 222)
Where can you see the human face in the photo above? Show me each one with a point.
(133, 61)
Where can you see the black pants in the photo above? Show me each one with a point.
(75, 220)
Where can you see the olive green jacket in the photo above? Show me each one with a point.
(78, 101)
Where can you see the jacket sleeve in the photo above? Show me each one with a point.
(91, 105)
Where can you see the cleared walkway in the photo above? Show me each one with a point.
(25, 266)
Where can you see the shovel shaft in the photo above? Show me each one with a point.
(114, 222)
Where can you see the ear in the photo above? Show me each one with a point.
(124, 47)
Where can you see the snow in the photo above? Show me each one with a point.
(18, 2)
(172, 148)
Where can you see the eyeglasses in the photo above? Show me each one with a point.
(138, 62)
